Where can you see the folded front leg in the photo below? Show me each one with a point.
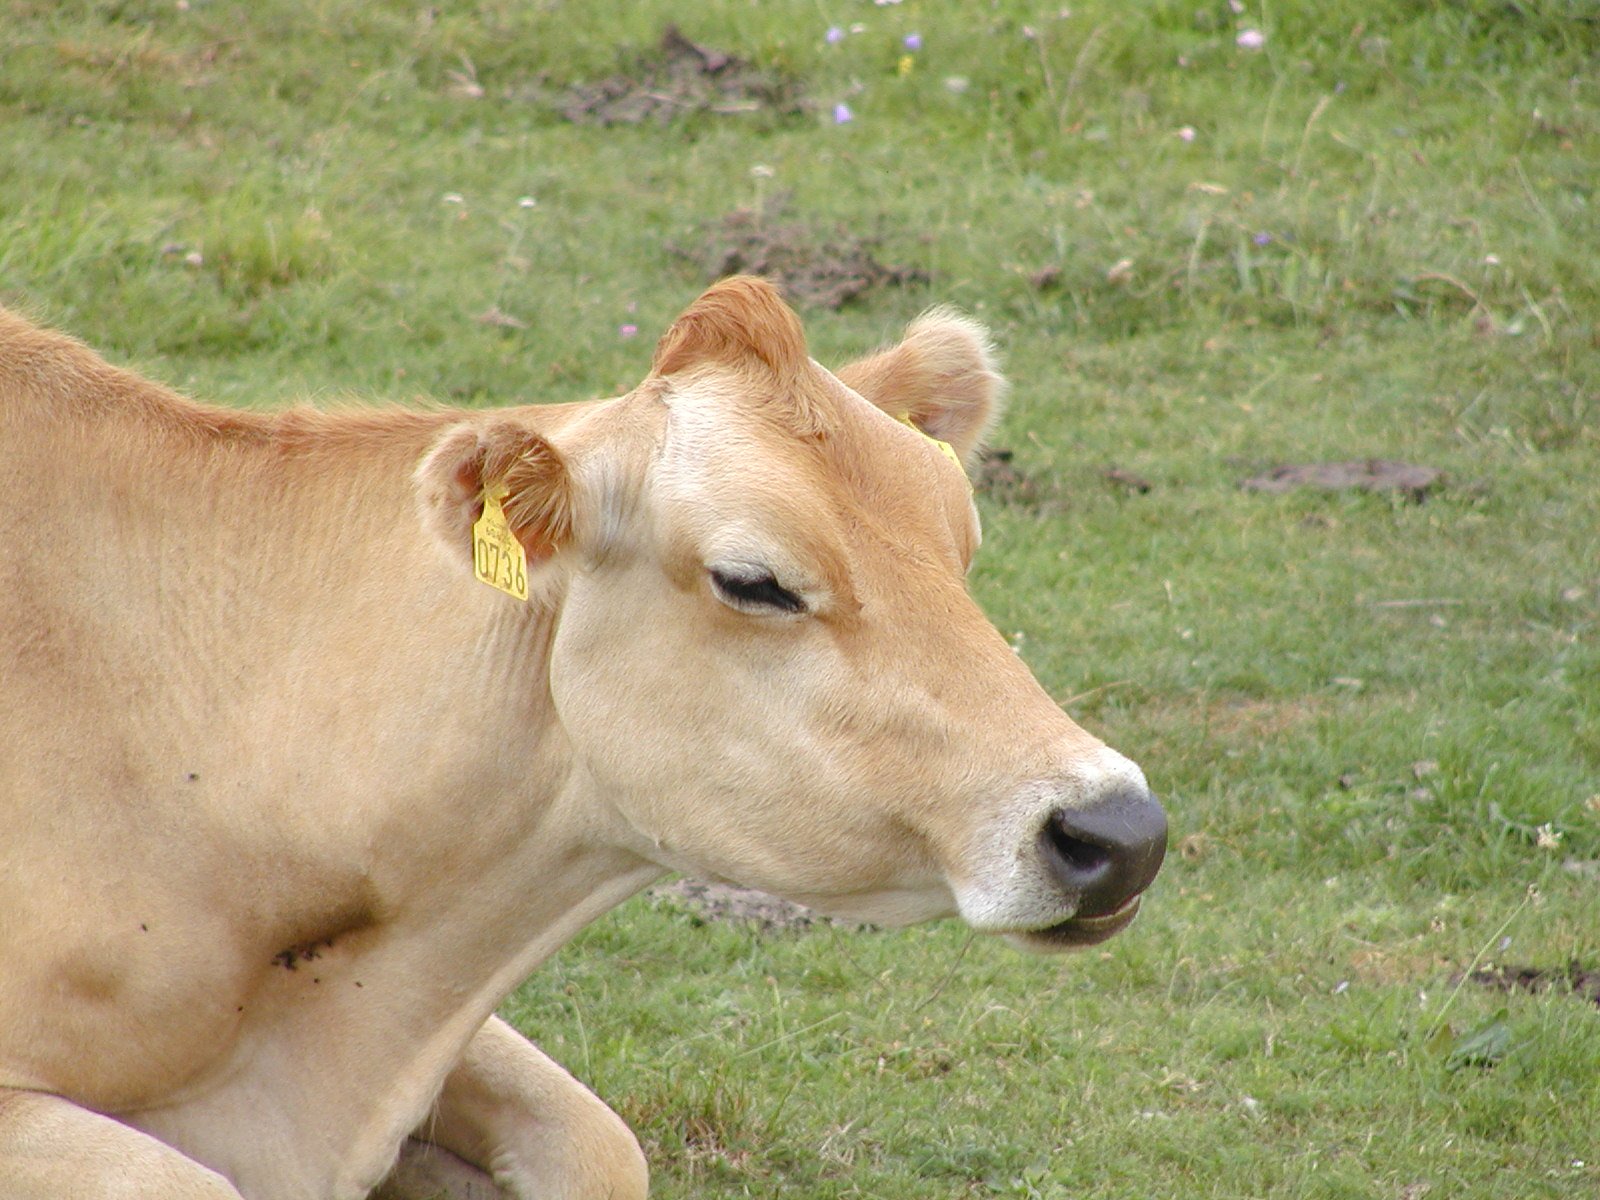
(50, 1148)
(539, 1133)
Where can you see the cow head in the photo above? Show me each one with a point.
(766, 664)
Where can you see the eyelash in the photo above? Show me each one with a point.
(762, 591)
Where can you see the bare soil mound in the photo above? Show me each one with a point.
(816, 268)
(1583, 982)
(1360, 474)
(680, 79)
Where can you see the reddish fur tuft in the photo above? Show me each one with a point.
(736, 320)
(742, 325)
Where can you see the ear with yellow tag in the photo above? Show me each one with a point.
(944, 448)
(941, 379)
(498, 558)
(499, 494)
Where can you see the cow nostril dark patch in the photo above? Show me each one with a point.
(1106, 853)
(1080, 857)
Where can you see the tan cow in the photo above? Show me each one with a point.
(290, 801)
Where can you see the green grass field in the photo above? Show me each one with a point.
(1376, 722)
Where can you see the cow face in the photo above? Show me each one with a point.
(765, 659)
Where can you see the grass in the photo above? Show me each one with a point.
(1377, 723)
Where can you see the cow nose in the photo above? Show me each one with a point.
(1106, 852)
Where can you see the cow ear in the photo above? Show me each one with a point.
(737, 320)
(943, 377)
(467, 458)
(742, 323)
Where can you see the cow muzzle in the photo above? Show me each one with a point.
(1104, 855)
(1066, 866)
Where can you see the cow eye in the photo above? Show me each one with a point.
(753, 589)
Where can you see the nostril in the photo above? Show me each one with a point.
(1107, 852)
(1074, 858)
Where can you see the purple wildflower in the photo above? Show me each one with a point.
(835, 35)
(913, 42)
(1262, 239)
(842, 114)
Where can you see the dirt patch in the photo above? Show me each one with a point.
(704, 902)
(291, 958)
(1583, 982)
(1126, 481)
(816, 268)
(681, 79)
(999, 476)
(1359, 474)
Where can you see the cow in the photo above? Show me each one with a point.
(320, 730)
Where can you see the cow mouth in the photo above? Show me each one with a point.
(1078, 932)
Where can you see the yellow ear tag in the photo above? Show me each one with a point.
(498, 559)
(945, 448)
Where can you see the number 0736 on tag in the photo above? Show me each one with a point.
(498, 559)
